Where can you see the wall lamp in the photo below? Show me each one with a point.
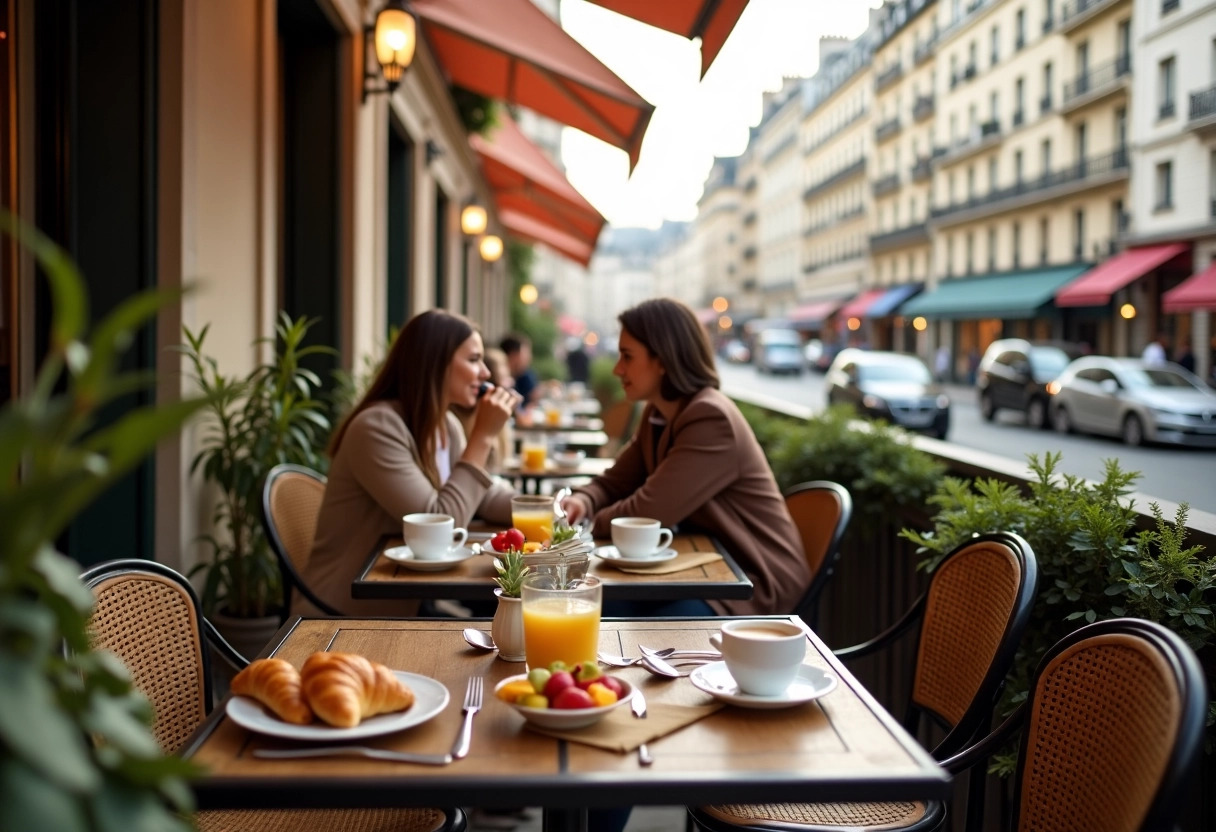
(490, 247)
(473, 219)
(394, 38)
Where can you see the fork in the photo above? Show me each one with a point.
(472, 704)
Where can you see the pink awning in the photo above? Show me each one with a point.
(1095, 287)
(710, 20)
(814, 313)
(1196, 293)
(861, 304)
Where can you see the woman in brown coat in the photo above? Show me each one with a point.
(401, 451)
(694, 460)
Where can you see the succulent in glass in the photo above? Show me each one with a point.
(511, 571)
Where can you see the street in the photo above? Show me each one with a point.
(1180, 475)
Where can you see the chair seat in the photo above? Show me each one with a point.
(330, 820)
(810, 817)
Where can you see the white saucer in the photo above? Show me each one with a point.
(715, 679)
(405, 557)
(613, 555)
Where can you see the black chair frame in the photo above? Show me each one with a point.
(808, 607)
(290, 576)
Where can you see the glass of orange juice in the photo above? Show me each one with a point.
(532, 514)
(532, 452)
(561, 622)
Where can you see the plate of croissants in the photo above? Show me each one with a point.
(333, 696)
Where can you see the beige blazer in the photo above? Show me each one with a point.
(706, 469)
(375, 480)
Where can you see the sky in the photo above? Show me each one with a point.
(693, 120)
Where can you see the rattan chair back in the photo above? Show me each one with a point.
(821, 511)
(291, 501)
(1114, 729)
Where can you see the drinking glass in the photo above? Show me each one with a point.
(561, 622)
(532, 514)
(532, 452)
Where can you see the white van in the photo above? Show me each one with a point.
(778, 351)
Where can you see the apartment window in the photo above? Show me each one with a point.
(996, 45)
(953, 129)
(1017, 245)
(1165, 186)
(970, 182)
(1082, 139)
(1048, 16)
(911, 271)
(949, 255)
(1019, 29)
(954, 77)
(1017, 167)
(1044, 241)
(1045, 156)
(1019, 100)
(991, 249)
(1078, 235)
(1118, 219)
(969, 265)
(1045, 102)
(994, 107)
(956, 9)
(1166, 84)
(972, 58)
(1123, 38)
(911, 209)
(950, 187)
(992, 168)
(1082, 63)
(1168, 6)
(1212, 185)
(1121, 128)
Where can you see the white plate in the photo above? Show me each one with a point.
(560, 720)
(430, 698)
(613, 555)
(715, 679)
(403, 556)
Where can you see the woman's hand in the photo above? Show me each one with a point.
(577, 507)
(493, 411)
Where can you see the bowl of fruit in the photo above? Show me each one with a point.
(561, 697)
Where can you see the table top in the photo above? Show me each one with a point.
(591, 466)
(569, 425)
(841, 747)
(473, 578)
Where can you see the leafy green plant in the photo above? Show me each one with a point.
(268, 417)
(1093, 562)
(511, 571)
(55, 458)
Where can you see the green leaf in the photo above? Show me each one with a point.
(30, 801)
(120, 808)
(119, 724)
(62, 576)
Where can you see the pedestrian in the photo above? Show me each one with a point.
(578, 364)
(941, 363)
(1154, 354)
(973, 365)
(518, 348)
(1186, 357)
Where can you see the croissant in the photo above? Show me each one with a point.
(345, 688)
(276, 684)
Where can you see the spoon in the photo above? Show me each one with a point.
(479, 639)
(625, 661)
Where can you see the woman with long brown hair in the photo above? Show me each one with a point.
(401, 451)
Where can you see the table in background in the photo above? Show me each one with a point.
(528, 481)
(591, 441)
(473, 579)
(842, 747)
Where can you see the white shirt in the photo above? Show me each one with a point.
(1154, 354)
(443, 459)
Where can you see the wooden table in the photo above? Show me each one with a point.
(842, 747)
(529, 480)
(472, 579)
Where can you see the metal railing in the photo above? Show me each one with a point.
(1097, 79)
(860, 114)
(1019, 116)
(924, 107)
(1045, 104)
(848, 172)
(1167, 110)
(1077, 172)
(1048, 25)
(922, 170)
(1168, 6)
(888, 77)
(886, 184)
(922, 52)
(990, 128)
(1078, 7)
(887, 130)
(1203, 103)
(908, 235)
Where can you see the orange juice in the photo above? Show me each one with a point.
(536, 525)
(561, 628)
(553, 417)
(533, 458)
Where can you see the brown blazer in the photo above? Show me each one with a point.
(375, 480)
(708, 470)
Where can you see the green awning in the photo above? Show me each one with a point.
(1007, 296)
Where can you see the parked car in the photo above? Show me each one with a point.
(892, 386)
(1123, 397)
(1014, 374)
(736, 352)
(778, 351)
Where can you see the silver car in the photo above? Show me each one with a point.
(1123, 397)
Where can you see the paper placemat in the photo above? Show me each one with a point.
(682, 561)
(622, 731)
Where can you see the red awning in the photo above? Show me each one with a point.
(535, 231)
(1196, 293)
(708, 315)
(861, 304)
(524, 180)
(511, 50)
(814, 313)
(710, 20)
(1095, 287)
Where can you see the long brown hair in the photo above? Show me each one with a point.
(412, 377)
(672, 333)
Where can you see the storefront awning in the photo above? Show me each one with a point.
(1196, 293)
(813, 315)
(524, 180)
(858, 306)
(891, 300)
(511, 50)
(535, 231)
(710, 20)
(1007, 296)
(1100, 282)
(708, 315)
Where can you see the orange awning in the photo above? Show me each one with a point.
(1196, 293)
(525, 181)
(511, 50)
(535, 231)
(1095, 287)
(861, 304)
(710, 20)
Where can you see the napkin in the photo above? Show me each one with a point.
(682, 561)
(622, 731)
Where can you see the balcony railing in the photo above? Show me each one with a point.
(1072, 10)
(923, 108)
(1097, 79)
(888, 77)
(1168, 6)
(922, 170)
(1203, 103)
(990, 128)
(840, 129)
(908, 235)
(887, 130)
(856, 169)
(1048, 25)
(886, 184)
(1019, 116)
(968, 72)
(1166, 110)
(1085, 169)
(922, 52)
(1045, 104)
(1020, 43)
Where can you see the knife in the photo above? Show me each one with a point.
(353, 751)
(638, 705)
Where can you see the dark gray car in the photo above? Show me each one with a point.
(1014, 374)
(892, 386)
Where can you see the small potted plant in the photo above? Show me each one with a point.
(508, 626)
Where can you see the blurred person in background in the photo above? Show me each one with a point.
(578, 363)
(1154, 354)
(518, 349)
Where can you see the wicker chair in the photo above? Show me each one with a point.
(148, 615)
(971, 619)
(291, 499)
(1113, 732)
(821, 511)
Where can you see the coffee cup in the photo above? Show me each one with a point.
(431, 536)
(639, 537)
(762, 656)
